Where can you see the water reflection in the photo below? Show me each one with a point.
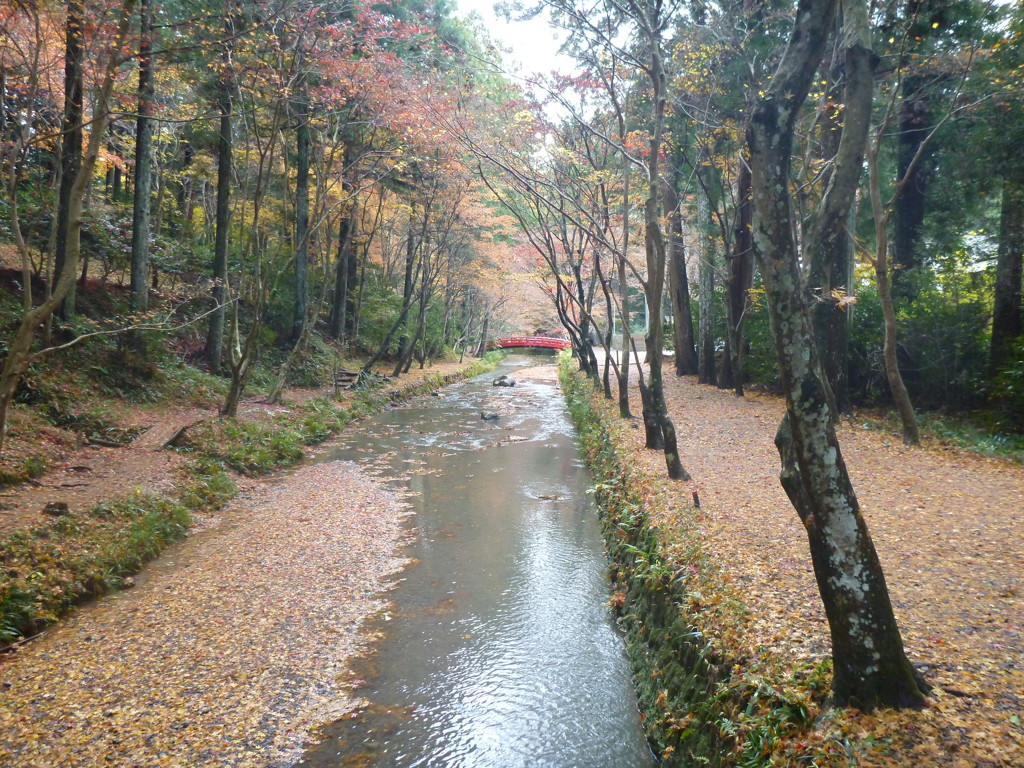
(501, 652)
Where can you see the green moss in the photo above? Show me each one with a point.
(207, 486)
(247, 447)
(675, 672)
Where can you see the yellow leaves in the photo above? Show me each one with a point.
(843, 299)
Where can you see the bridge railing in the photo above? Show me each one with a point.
(533, 341)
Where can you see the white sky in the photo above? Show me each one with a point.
(533, 44)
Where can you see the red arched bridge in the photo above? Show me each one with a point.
(541, 342)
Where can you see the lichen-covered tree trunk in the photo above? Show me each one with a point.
(869, 663)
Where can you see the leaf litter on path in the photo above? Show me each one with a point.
(947, 529)
(228, 659)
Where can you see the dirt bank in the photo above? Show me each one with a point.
(82, 476)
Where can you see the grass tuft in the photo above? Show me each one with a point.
(52, 567)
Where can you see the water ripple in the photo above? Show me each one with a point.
(501, 652)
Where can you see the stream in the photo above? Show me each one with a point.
(499, 650)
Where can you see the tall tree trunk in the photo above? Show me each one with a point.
(186, 190)
(3, 102)
(679, 285)
(407, 299)
(410, 252)
(357, 311)
(627, 332)
(836, 360)
(143, 164)
(409, 284)
(626, 341)
(869, 663)
(71, 142)
(215, 335)
(741, 280)
(301, 219)
(108, 176)
(908, 219)
(405, 358)
(829, 229)
(654, 244)
(1006, 309)
(357, 272)
(466, 322)
(339, 304)
(608, 338)
(346, 255)
(706, 290)
(880, 262)
(484, 330)
(160, 180)
(585, 292)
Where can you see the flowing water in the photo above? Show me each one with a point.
(499, 651)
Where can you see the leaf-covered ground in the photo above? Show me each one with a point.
(227, 650)
(946, 525)
(217, 659)
(82, 476)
